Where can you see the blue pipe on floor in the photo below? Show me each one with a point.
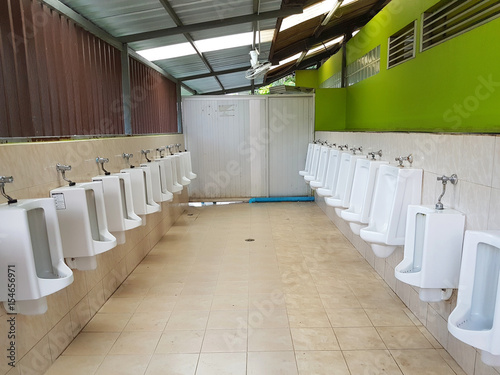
(281, 199)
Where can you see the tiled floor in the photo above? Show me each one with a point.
(298, 299)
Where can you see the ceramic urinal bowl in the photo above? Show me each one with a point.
(119, 204)
(188, 165)
(181, 170)
(177, 186)
(432, 252)
(31, 249)
(342, 196)
(311, 173)
(395, 189)
(158, 183)
(310, 149)
(331, 175)
(324, 158)
(169, 175)
(476, 318)
(363, 185)
(83, 223)
(142, 192)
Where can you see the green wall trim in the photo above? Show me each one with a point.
(330, 109)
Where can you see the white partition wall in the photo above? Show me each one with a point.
(248, 146)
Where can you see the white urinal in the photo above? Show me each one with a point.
(476, 318)
(363, 186)
(310, 149)
(181, 171)
(342, 196)
(169, 175)
(331, 175)
(142, 192)
(160, 193)
(188, 165)
(432, 252)
(82, 219)
(395, 189)
(324, 158)
(119, 204)
(32, 262)
(175, 174)
(311, 174)
(167, 194)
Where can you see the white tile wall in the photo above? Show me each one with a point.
(476, 161)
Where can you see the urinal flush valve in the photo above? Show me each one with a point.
(145, 153)
(453, 179)
(128, 157)
(401, 159)
(373, 154)
(63, 169)
(178, 145)
(342, 147)
(160, 151)
(6, 180)
(102, 161)
(331, 145)
(354, 149)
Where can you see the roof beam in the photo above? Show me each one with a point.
(189, 38)
(210, 24)
(217, 73)
(236, 89)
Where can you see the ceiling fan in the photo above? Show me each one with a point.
(258, 69)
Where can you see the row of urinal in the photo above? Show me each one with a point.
(432, 238)
(370, 194)
(79, 222)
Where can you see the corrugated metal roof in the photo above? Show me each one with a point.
(132, 18)
(204, 85)
(184, 66)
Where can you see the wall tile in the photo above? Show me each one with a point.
(437, 326)
(496, 165)
(464, 354)
(494, 210)
(474, 202)
(478, 160)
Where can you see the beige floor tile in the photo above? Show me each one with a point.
(298, 301)
(178, 341)
(359, 338)
(314, 339)
(194, 302)
(188, 320)
(344, 300)
(155, 304)
(232, 287)
(120, 305)
(124, 365)
(222, 364)
(308, 318)
(107, 323)
(227, 319)
(173, 364)
(91, 344)
(79, 365)
(147, 321)
(268, 317)
(272, 363)
(230, 302)
(269, 339)
(348, 318)
(131, 291)
(225, 341)
(376, 362)
(136, 343)
(266, 301)
(201, 288)
(421, 361)
(403, 338)
(321, 363)
(389, 317)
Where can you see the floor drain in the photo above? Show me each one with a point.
(190, 214)
(249, 240)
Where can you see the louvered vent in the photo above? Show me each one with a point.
(402, 46)
(450, 18)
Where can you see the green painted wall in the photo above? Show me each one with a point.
(330, 109)
(452, 87)
(306, 78)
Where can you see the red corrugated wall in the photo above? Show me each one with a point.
(153, 100)
(56, 79)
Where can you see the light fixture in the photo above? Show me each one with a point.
(326, 45)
